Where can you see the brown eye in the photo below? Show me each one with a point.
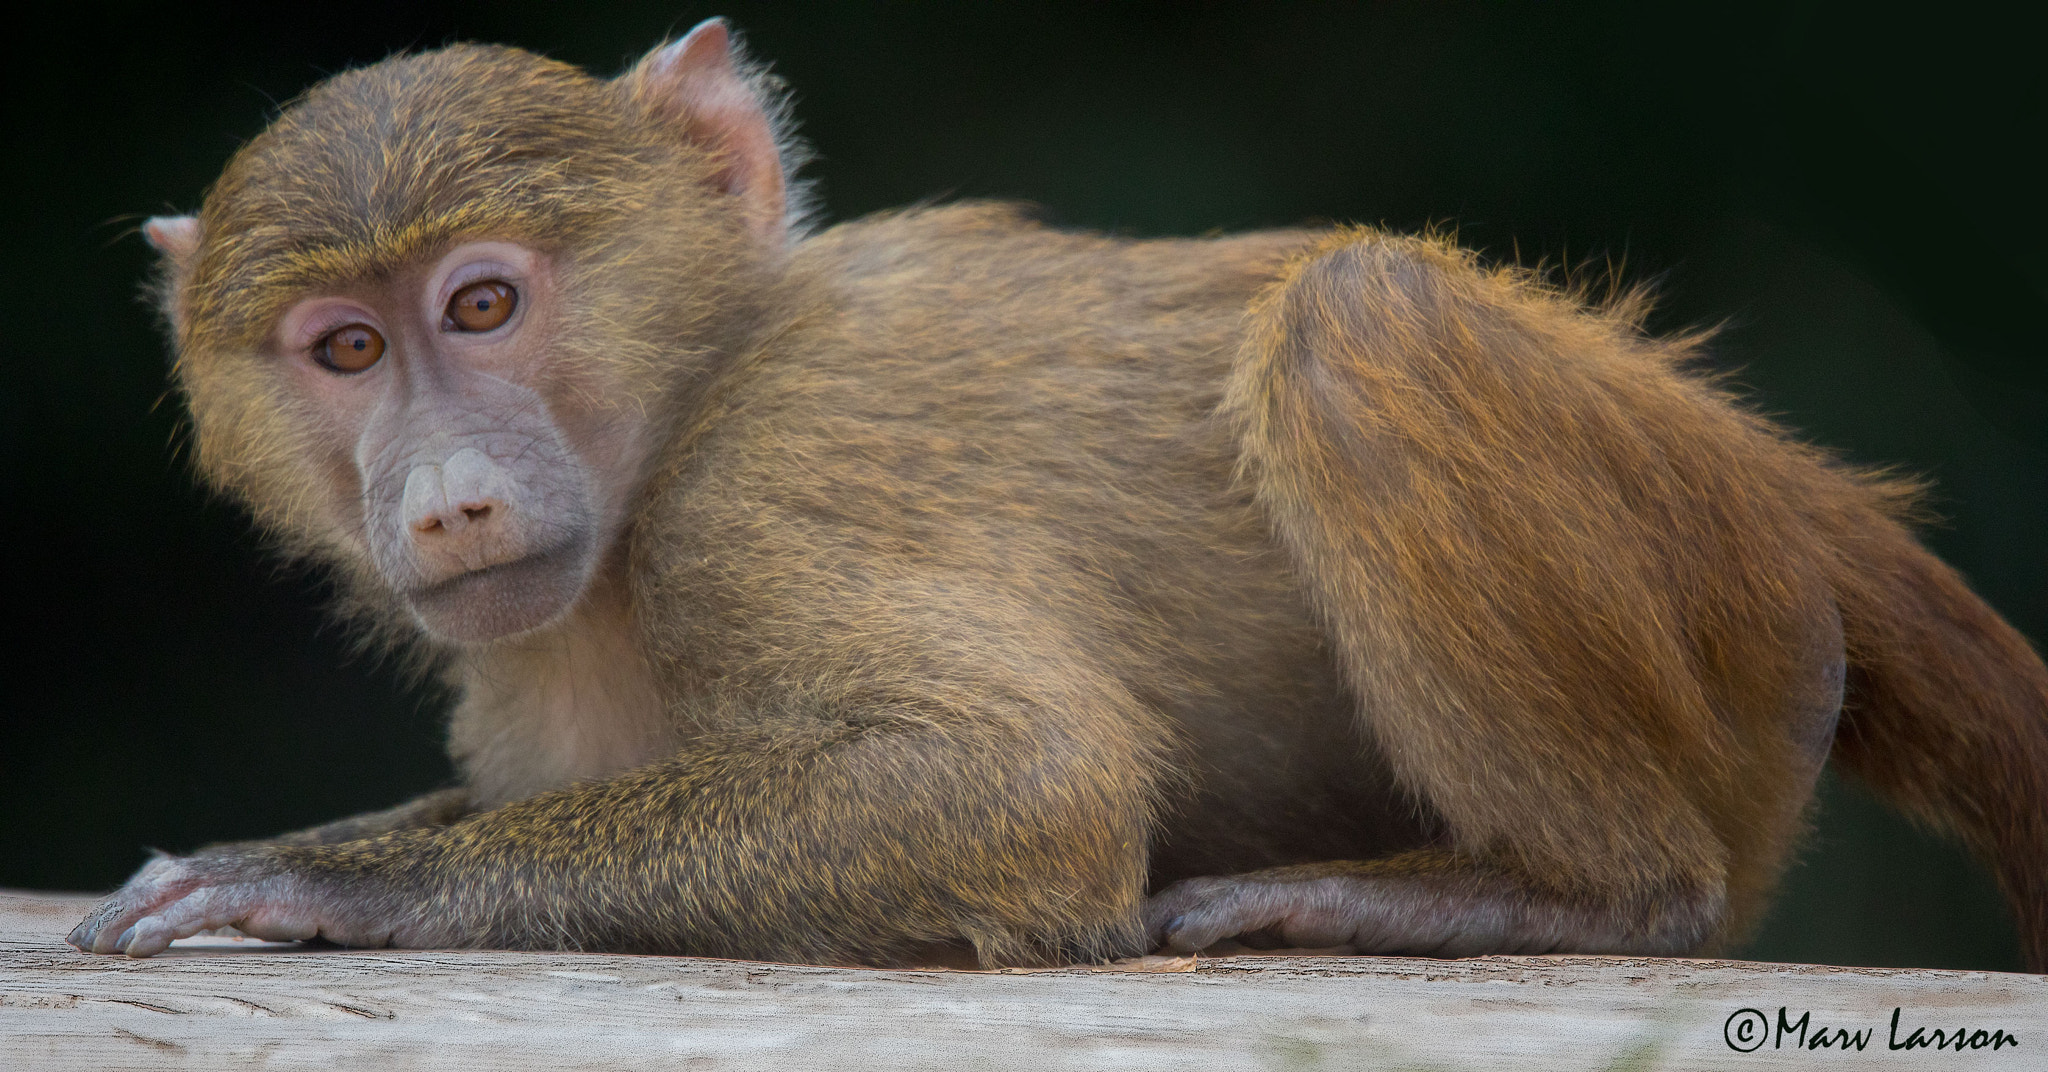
(350, 349)
(482, 306)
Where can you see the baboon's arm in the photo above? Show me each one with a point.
(805, 840)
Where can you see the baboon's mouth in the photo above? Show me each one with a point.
(506, 598)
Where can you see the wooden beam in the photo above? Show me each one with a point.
(223, 1003)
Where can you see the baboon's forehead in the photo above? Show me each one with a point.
(374, 167)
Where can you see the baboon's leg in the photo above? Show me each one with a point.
(1584, 620)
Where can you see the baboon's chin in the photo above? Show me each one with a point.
(503, 600)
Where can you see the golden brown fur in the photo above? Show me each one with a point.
(984, 578)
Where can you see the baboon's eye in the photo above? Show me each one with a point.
(350, 349)
(482, 306)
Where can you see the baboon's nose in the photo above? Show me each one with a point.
(451, 509)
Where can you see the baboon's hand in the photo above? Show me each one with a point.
(250, 890)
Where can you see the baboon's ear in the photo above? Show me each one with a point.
(711, 97)
(176, 237)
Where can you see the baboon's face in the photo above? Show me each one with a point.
(432, 322)
(477, 502)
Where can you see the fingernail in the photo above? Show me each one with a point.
(127, 936)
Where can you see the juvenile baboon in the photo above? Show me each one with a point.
(945, 577)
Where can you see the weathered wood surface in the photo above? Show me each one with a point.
(219, 1004)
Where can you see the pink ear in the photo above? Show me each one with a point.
(697, 87)
(176, 237)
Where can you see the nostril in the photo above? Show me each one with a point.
(453, 521)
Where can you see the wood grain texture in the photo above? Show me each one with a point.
(219, 1004)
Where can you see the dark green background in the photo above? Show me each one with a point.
(1853, 193)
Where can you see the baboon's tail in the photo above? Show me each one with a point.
(1947, 714)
